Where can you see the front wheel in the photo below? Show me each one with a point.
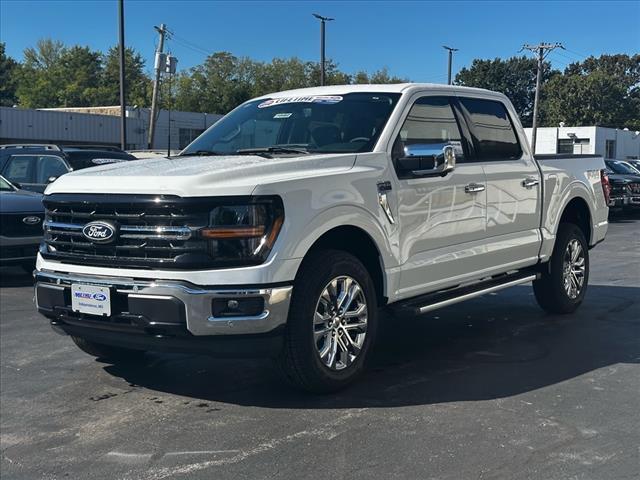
(332, 323)
(563, 284)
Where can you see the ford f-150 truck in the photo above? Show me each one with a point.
(285, 227)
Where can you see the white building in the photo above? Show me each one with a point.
(608, 142)
(101, 126)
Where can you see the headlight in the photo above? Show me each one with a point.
(242, 232)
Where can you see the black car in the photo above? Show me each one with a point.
(33, 167)
(625, 185)
(21, 216)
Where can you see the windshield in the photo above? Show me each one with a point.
(317, 123)
(622, 168)
(5, 186)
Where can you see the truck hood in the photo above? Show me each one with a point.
(21, 201)
(623, 178)
(198, 176)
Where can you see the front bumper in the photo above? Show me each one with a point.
(18, 249)
(634, 200)
(159, 309)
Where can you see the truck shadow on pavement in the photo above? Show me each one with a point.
(13, 277)
(494, 347)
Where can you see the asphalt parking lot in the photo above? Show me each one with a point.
(490, 389)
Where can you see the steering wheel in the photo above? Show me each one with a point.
(359, 139)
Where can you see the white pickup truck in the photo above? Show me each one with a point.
(284, 228)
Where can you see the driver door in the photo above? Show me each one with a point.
(442, 218)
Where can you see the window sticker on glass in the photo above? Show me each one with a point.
(282, 115)
(307, 99)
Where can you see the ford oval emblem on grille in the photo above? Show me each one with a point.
(99, 232)
(31, 220)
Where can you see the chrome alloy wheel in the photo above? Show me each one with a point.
(340, 322)
(573, 269)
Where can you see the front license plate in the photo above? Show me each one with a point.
(91, 299)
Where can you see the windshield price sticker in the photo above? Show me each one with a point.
(326, 99)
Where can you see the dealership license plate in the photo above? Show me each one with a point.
(91, 299)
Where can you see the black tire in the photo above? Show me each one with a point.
(107, 352)
(549, 290)
(300, 361)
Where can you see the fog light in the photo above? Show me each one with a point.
(237, 307)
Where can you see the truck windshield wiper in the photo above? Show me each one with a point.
(272, 149)
(201, 153)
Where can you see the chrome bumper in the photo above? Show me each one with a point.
(197, 301)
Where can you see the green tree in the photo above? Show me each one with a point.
(8, 72)
(598, 91)
(138, 84)
(80, 70)
(40, 81)
(45, 55)
(515, 77)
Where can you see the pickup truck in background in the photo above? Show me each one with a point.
(284, 228)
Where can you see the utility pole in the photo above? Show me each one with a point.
(159, 66)
(543, 49)
(323, 64)
(123, 101)
(451, 50)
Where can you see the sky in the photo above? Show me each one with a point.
(406, 37)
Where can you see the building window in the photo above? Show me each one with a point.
(188, 135)
(565, 146)
(573, 146)
(610, 149)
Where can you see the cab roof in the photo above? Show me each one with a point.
(378, 88)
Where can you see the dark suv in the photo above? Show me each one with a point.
(33, 167)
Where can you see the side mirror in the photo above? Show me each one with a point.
(428, 160)
(51, 179)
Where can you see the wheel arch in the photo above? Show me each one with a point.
(577, 211)
(357, 242)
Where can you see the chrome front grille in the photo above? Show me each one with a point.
(150, 230)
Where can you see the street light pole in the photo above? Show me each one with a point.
(123, 101)
(451, 50)
(323, 21)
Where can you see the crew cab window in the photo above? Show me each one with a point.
(492, 130)
(49, 166)
(19, 168)
(430, 122)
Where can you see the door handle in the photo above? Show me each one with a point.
(474, 188)
(383, 188)
(530, 182)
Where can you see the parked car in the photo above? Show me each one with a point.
(283, 228)
(625, 185)
(21, 215)
(33, 167)
(634, 163)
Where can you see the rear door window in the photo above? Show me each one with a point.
(49, 166)
(20, 168)
(492, 130)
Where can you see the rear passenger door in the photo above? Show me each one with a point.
(513, 184)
